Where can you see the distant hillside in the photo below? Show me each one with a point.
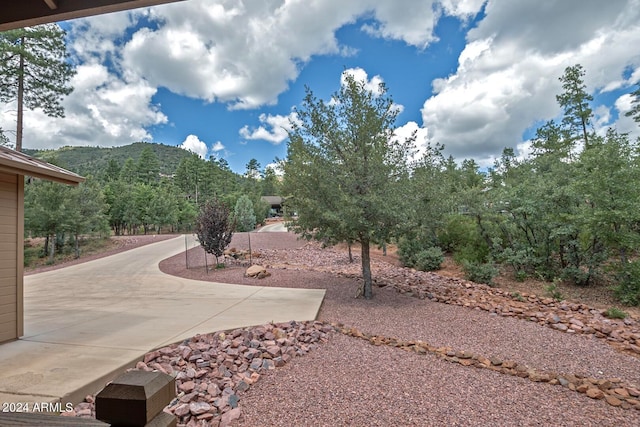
(94, 160)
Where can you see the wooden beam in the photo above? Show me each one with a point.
(26, 13)
(52, 4)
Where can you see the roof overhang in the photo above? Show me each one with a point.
(14, 162)
(26, 13)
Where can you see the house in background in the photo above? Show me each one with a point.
(276, 205)
(13, 168)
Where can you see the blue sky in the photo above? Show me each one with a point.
(220, 77)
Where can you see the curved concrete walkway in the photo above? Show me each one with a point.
(84, 324)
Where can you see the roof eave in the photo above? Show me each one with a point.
(27, 13)
(14, 162)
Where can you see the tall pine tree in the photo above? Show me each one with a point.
(34, 71)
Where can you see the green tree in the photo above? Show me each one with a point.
(270, 182)
(113, 170)
(635, 102)
(4, 140)
(128, 173)
(35, 71)
(214, 227)
(148, 167)
(345, 169)
(187, 176)
(575, 102)
(87, 212)
(252, 169)
(244, 214)
(47, 207)
(117, 197)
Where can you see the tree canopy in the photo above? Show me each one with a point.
(35, 71)
(346, 168)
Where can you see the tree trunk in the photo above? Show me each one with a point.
(52, 252)
(350, 253)
(20, 101)
(366, 288)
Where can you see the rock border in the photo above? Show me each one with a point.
(614, 391)
(563, 316)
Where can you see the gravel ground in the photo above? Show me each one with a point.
(350, 382)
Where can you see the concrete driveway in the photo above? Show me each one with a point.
(84, 324)
(273, 228)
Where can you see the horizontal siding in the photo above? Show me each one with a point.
(7, 195)
(8, 290)
(7, 245)
(7, 317)
(8, 259)
(7, 229)
(7, 273)
(8, 300)
(9, 237)
(8, 281)
(9, 212)
(6, 190)
(8, 332)
(8, 178)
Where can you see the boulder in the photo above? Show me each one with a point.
(255, 271)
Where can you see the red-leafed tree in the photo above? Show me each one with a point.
(214, 227)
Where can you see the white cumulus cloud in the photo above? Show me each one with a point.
(274, 128)
(507, 76)
(193, 144)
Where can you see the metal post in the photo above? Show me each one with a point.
(186, 251)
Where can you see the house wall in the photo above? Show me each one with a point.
(11, 255)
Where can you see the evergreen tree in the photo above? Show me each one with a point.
(128, 173)
(635, 101)
(346, 171)
(575, 102)
(35, 71)
(3, 138)
(148, 167)
(252, 169)
(244, 214)
(270, 182)
(87, 212)
(47, 206)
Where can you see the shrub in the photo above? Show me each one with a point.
(462, 237)
(628, 288)
(521, 276)
(521, 260)
(578, 276)
(479, 272)
(408, 250)
(518, 296)
(429, 259)
(553, 291)
(615, 313)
